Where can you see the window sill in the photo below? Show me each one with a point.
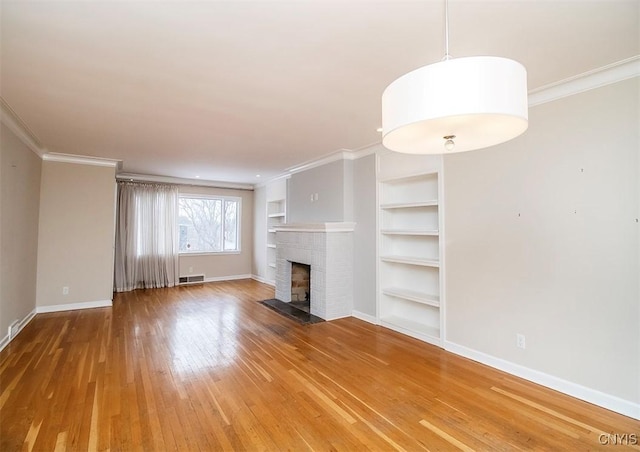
(204, 253)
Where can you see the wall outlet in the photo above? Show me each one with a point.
(520, 341)
(65, 290)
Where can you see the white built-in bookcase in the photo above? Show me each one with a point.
(276, 212)
(276, 215)
(410, 264)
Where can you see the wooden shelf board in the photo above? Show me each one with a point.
(408, 205)
(271, 230)
(408, 232)
(411, 261)
(271, 245)
(413, 295)
(276, 215)
(272, 265)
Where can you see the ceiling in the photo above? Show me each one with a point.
(226, 90)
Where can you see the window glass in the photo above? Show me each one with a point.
(208, 225)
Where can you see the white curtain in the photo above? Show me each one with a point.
(146, 236)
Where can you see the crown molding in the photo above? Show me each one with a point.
(309, 164)
(181, 181)
(273, 179)
(342, 154)
(596, 78)
(80, 160)
(11, 119)
(366, 150)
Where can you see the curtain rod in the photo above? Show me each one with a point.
(130, 177)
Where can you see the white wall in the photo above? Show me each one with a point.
(20, 171)
(328, 181)
(276, 190)
(259, 261)
(76, 234)
(542, 239)
(364, 244)
(221, 266)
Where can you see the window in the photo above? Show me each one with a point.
(208, 224)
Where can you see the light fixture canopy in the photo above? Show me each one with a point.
(482, 101)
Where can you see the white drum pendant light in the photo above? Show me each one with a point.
(456, 105)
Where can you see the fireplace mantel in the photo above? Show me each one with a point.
(333, 226)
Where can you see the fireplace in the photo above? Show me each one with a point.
(301, 286)
(327, 249)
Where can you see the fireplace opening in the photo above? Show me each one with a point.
(301, 286)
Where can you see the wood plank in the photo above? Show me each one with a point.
(208, 368)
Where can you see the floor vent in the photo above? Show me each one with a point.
(14, 328)
(192, 279)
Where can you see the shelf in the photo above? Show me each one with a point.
(272, 265)
(271, 245)
(276, 215)
(409, 248)
(413, 295)
(408, 205)
(271, 230)
(412, 328)
(408, 232)
(408, 177)
(411, 261)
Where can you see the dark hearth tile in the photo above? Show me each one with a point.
(290, 311)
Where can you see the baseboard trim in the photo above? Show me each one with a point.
(601, 399)
(263, 281)
(365, 317)
(74, 306)
(337, 317)
(6, 340)
(226, 278)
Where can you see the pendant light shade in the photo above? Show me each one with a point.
(467, 103)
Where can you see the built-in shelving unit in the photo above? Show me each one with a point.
(409, 252)
(276, 215)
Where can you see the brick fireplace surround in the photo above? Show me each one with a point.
(328, 249)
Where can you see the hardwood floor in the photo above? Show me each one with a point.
(208, 368)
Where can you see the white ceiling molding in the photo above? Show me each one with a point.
(596, 78)
(343, 154)
(367, 150)
(273, 179)
(333, 157)
(80, 160)
(19, 128)
(181, 181)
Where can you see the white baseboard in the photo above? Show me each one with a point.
(4, 342)
(74, 306)
(226, 278)
(601, 399)
(6, 339)
(366, 317)
(263, 281)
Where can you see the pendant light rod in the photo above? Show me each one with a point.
(446, 31)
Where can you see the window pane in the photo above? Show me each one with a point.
(230, 225)
(200, 224)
